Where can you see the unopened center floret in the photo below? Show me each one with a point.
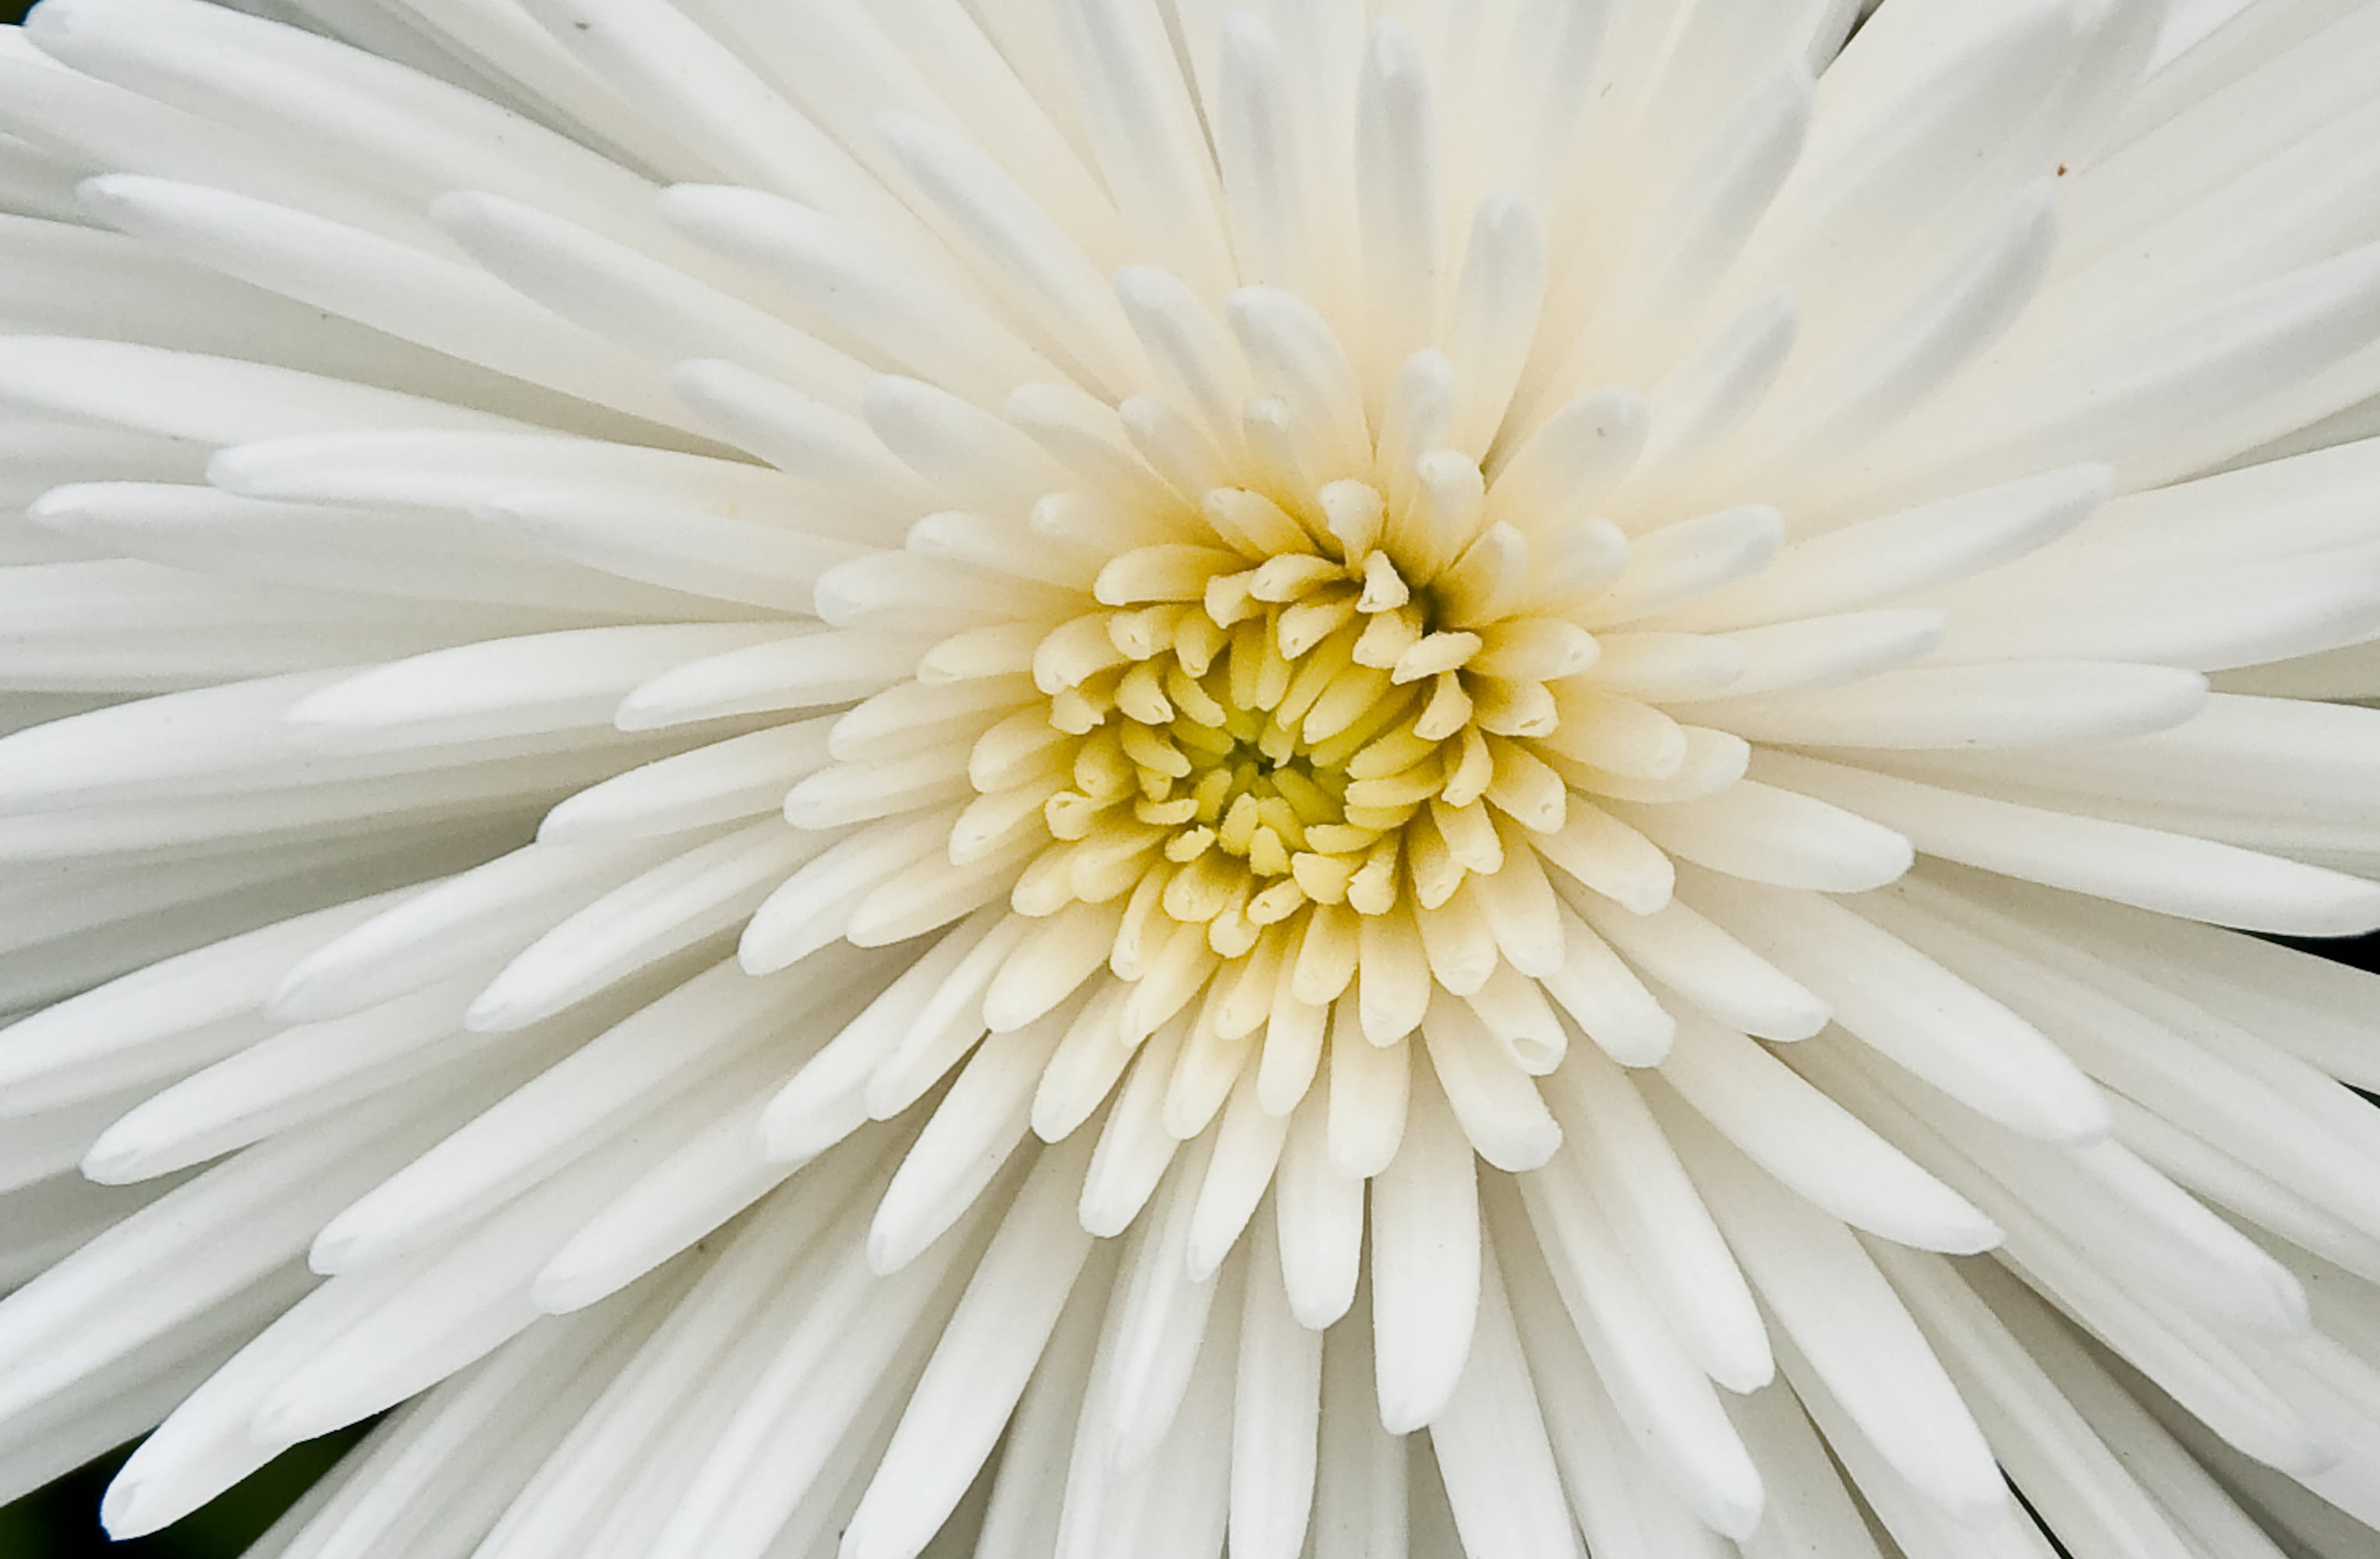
(1295, 710)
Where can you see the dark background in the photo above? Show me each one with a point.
(60, 1522)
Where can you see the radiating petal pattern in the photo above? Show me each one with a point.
(1046, 779)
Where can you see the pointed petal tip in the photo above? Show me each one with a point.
(1645, 1041)
(1533, 1151)
(2351, 912)
(126, 1511)
(1104, 1217)
(793, 1131)
(315, 991)
(338, 1248)
(1805, 1021)
(505, 1007)
(1205, 1255)
(762, 950)
(1961, 1236)
(1409, 1415)
(1646, 899)
(2072, 1117)
(561, 1292)
(61, 510)
(118, 1158)
(233, 469)
(888, 1249)
(1316, 1315)
(641, 712)
(1746, 1370)
(1980, 1508)
(1735, 1514)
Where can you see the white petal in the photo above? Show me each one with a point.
(641, 302)
(1961, 312)
(2186, 1493)
(2245, 614)
(1425, 1265)
(1494, 1100)
(676, 549)
(1134, 1147)
(1711, 390)
(1360, 1509)
(979, 1368)
(1818, 652)
(1669, 1409)
(288, 86)
(1397, 192)
(1915, 1011)
(708, 889)
(1692, 236)
(1028, 257)
(725, 781)
(1773, 835)
(171, 1018)
(1162, 1318)
(1609, 858)
(219, 1234)
(1145, 133)
(1276, 1410)
(2002, 704)
(1259, 134)
(210, 400)
(1829, 1298)
(916, 319)
(1368, 1098)
(814, 906)
(2167, 872)
(1576, 457)
(289, 1080)
(942, 1026)
(1710, 969)
(2161, 403)
(715, 1174)
(1248, 1145)
(1806, 1140)
(788, 670)
(1617, 1154)
(828, 448)
(635, 1066)
(1624, 1508)
(422, 557)
(426, 298)
(544, 681)
(1029, 1489)
(1937, 543)
(1321, 1216)
(966, 453)
(1088, 1063)
(808, 1396)
(967, 1141)
(463, 923)
(1491, 1444)
(1679, 562)
(1294, 353)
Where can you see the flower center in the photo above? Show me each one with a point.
(1291, 704)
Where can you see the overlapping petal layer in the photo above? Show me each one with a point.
(1073, 776)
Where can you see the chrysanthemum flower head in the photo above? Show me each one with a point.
(1051, 778)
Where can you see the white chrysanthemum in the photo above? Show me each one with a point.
(855, 748)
